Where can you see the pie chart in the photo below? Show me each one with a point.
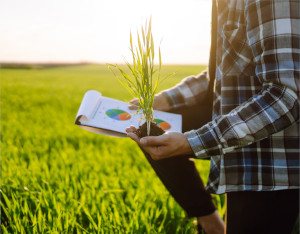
(118, 114)
(163, 124)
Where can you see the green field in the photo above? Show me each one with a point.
(58, 178)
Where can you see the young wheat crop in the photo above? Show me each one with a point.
(143, 78)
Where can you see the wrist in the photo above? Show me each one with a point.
(186, 146)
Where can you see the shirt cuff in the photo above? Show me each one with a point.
(196, 144)
(205, 142)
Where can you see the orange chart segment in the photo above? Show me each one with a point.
(124, 116)
(163, 124)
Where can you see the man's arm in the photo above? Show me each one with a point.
(188, 92)
(273, 35)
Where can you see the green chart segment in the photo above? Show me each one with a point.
(118, 114)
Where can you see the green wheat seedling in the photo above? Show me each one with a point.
(143, 79)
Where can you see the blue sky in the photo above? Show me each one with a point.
(98, 31)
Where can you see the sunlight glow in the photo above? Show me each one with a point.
(98, 31)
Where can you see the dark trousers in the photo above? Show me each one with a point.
(181, 178)
(179, 174)
(262, 212)
(247, 212)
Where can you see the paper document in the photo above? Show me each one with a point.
(109, 116)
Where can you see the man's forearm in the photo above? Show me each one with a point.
(188, 92)
(272, 110)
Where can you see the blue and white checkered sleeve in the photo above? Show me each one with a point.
(274, 36)
(188, 92)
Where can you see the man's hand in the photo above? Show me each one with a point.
(159, 147)
(160, 103)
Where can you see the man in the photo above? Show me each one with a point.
(253, 138)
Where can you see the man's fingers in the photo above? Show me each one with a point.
(157, 152)
(130, 129)
(134, 101)
(134, 104)
(132, 107)
(154, 140)
(134, 137)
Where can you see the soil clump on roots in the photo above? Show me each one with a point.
(155, 130)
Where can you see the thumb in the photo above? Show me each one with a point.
(153, 140)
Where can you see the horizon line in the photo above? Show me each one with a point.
(90, 62)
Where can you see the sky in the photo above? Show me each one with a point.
(98, 30)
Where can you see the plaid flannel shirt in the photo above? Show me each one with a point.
(253, 139)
